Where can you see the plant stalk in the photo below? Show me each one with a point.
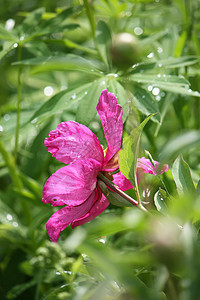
(115, 189)
(19, 93)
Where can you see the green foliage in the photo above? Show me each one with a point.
(55, 61)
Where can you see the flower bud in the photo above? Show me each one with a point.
(124, 50)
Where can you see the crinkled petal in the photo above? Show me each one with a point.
(110, 114)
(72, 184)
(66, 215)
(144, 165)
(72, 141)
(122, 182)
(98, 207)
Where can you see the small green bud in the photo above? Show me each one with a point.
(124, 50)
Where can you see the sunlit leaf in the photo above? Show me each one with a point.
(129, 153)
(145, 103)
(182, 176)
(62, 62)
(86, 111)
(180, 143)
(103, 38)
(60, 102)
(160, 200)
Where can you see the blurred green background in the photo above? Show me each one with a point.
(55, 59)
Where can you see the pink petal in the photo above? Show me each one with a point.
(63, 217)
(98, 207)
(110, 114)
(72, 184)
(122, 182)
(72, 141)
(145, 166)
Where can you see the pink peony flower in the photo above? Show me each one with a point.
(75, 186)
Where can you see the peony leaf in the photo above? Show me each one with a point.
(182, 176)
(129, 153)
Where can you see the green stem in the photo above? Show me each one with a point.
(90, 17)
(115, 189)
(19, 88)
(10, 163)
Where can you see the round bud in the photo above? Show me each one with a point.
(124, 50)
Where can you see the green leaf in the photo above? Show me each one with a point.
(59, 102)
(62, 62)
(113, 197)
(122, 96)
(20, 288)
(31, 21)
(7, 35)
(171, 83)
(86, 111)
(182, 176)
(171, 80)
(198, 188)
(180, 143)
(129, 153)
(160, 199)
(103, 39)
(172, 62)
(145, 103)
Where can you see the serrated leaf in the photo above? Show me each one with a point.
(182, 176)
(103, 39)
(160, 199)
(145, 103)
(129, 153)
